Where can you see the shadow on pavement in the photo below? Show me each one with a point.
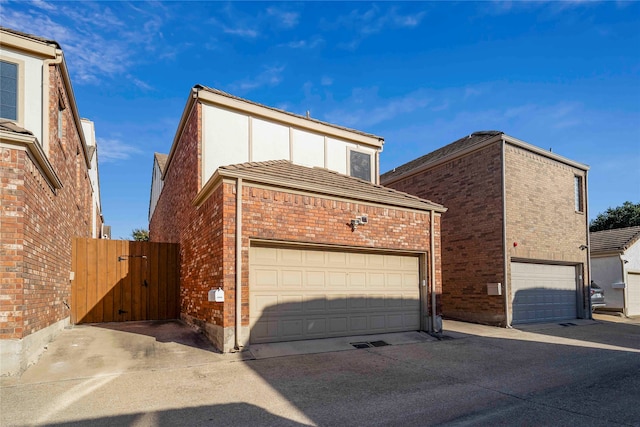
(231, 414)
(163, 331)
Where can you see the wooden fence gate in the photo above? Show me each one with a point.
(120, 280)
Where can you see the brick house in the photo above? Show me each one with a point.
(46, 195)
(515, 232)
(281, 215)
(615, 267)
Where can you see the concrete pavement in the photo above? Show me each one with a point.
(587, 373)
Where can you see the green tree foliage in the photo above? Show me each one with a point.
(140, 235)
(627, 215)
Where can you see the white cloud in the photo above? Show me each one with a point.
(305, 44)
(113, 150)
(95, 41)
(285, 18)
(242, 32)
(374, 20)
(326, 81)
(270, 76)
(365, 108)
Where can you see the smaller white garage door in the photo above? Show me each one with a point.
(542, 292)
(297, 294)
(633, 294)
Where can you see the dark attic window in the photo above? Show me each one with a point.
(360, 165)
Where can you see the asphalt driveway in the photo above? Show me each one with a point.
(164, 373)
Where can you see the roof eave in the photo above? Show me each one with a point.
(245, 106)
(221, 174)
(441, 160)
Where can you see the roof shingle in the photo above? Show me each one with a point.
(285, 174)
(162, 161)
(618, 239)
(456, 146)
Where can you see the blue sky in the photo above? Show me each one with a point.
(560, 75)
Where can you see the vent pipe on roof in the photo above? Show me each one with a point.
(308, 114)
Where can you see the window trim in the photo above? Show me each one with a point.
(371, 162)
(19, 89)
(578, 193)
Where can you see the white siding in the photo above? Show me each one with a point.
(156, 188)
(226, 136)
(308, 149)
(31, 88)
(270, 141)
(232, 137)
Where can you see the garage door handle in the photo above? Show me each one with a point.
(121, 311)
(145, 283)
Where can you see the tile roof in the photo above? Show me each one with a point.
(9, 126)
(446, 151)
(30, 36)
(162, 161)
(283, 173)
(228, 95)
(617, 240)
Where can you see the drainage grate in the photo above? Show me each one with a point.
(361, 344)
(369, 344)
(567, 324)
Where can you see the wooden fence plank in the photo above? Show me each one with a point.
(114, 282)
(81, 277)
(153, 265)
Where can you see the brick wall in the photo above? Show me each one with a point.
(38, 225)
(541, 215)
(471, 189)
(207, 234)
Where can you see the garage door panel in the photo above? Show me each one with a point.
(265, 278)
(337, 302)
(291, 279)
(542, 292)
(633, 294)
(358, 324)
(291, 328)
(337, 325)
(315, 279)
(357, 302)
(316, 326)
(336, 280)
(337, 259)
(357, 260)
(357, 280)
(342, 293)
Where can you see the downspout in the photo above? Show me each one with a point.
(507, 316)
(624, 280)
(46, 75)
(238, 328)
(588, 279)
(432, 274)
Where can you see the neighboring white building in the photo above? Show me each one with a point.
(88, 128)
(615, 267)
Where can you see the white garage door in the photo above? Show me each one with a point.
(633, 294)
(297, 294)
(543, 292)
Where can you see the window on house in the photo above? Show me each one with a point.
(579, 194)
(360, 165)
(8, 90)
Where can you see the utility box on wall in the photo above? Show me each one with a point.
(494, 288)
